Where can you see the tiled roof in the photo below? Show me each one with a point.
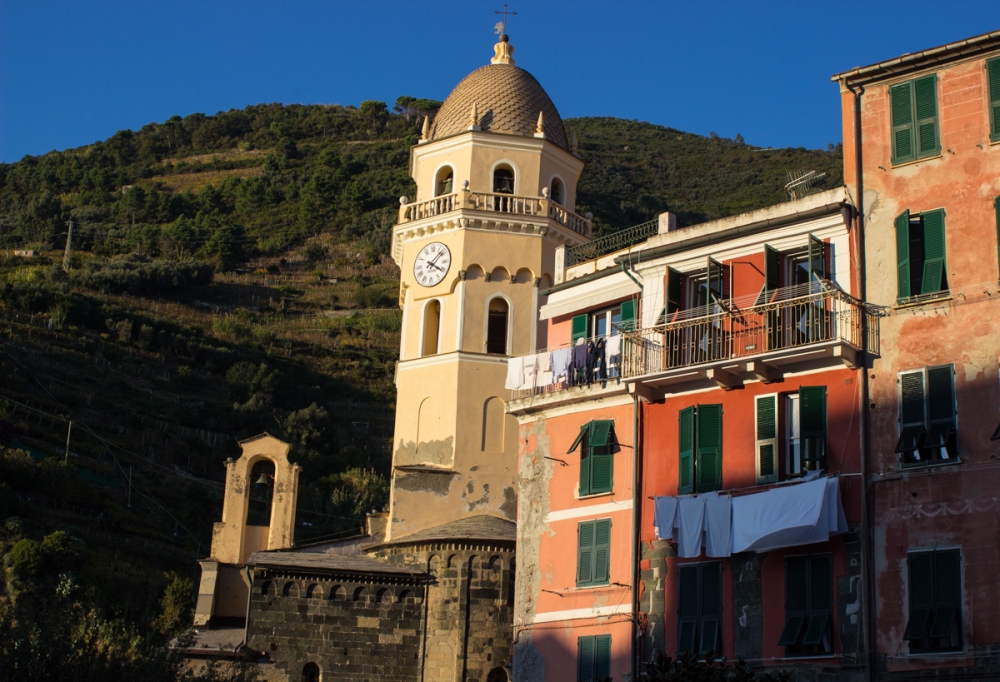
(508, 100)
(473, 528)
(322, 561)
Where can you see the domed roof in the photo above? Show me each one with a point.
(507, 99)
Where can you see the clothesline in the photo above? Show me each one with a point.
(749, 489)
(589, 361)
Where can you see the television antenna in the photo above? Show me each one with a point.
(801, 183)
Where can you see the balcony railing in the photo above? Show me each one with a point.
(612, 242)
(790, 319)
(507, 204)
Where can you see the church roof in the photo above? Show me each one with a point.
(508, 100)
(472, 528)
(325, 561)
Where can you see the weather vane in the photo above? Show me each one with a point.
(501, 27)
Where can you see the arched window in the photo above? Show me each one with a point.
(445, 182)
(261, 485)
(310, 672)
(496, 327)
(556, 193)
(432, 323)
(503, 180)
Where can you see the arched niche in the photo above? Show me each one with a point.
(314, 591)
(444, 181)
(503, 179)
(431, 328)
(524, 276)
(499, 319)
(474, 272)
(493, 425)
(500, 274)
(557, 191)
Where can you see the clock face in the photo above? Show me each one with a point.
(432, 264)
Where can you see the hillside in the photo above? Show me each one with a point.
(229, 275)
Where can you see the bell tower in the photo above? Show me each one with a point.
(496, 188)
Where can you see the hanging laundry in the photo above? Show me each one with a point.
(614, 349)
(515, 373)
(599, 361)
(561, 360)
(718, 525)
(690, 524)
(579, 364)
(543, 369)
(528, 375)
(664, 513)
(788, 516)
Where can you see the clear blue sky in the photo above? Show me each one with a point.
(74, 72)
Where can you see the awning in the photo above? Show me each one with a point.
(785, 516)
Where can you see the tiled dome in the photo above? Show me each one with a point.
(507, 99)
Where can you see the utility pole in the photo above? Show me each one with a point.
(69, 431)
(69, 247)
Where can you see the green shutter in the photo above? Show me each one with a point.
(934, 261)
(586, 470)
(579, 438)
(812, 421)
(708, 468)
(628, 316)
(685, 474)
(902, 123)
(711, 607)
(921, 590)
(940, 395)
(796, 599)
(993, 76)
(767, 438)
(673, 293)
(902, 224)
(579, 329)
(925, 100)
(601, 472)
(585, 658)
(600, 430)
(602, 656)
(911, 407)
(772, 269)
(585, 553)
(947, 592)
(820, 599)
(602, 550)
(687, 609)
(716, 283)
(817, 259)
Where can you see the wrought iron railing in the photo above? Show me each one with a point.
(612, 242)
(728, 332)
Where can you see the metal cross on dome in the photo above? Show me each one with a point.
(501, 27)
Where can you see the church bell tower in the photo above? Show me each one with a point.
(496, 192)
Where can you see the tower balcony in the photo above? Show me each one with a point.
(491, 210)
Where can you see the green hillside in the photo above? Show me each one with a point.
(229, 274)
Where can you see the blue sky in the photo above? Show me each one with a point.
(72, 73)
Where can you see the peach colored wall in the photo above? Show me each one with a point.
(558, 645)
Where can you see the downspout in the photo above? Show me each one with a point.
(636, 517)
(868, 492)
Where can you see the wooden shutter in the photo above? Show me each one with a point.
(902, 123)
(766, 413)
(586, 470)
(585, 658)
(585, 552)
(911, 411)
(817, 260)
(902, 224)
(628, 316)
(673, 293)
(600, 432)
(940, 406)
(708, 468)
(812, 421)
(711, 607)
(820, 599)
(934, 260)
(685, 469)
(579, 328)
(796, 599)
(925, 100)
(993, 77)
(602, 550)
(579, 437)
(687, 609)
(772, 268)
(601, 457)
(602, 656)
(947, 592)
(716, 281)
(921, 569)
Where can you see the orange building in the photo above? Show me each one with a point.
(921, 154)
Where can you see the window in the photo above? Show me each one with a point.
(993, 76)
(556, 193)
(808, 627)
(920, 254)
(914, 120)
(310, 672)
(766, 420)
(503, 180)
(596, 441)
(927, 416)
(602, 323)
(699, 608)
(593, 543)
(445, 182)
(593, 658)
(432, 327)
(935, 589)
(700, 466)
(496, 327)
(804, 433)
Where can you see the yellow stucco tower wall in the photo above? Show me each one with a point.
(455, 449)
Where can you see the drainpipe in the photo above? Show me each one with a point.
(868, 492)
(636, 516)
(246, 627)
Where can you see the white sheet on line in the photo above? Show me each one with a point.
(786, 516)
(664, 513)
(690, 525)
(718, 525)
(515, 373)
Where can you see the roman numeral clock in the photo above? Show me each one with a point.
(432, 264)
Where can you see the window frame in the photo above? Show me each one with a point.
(590, 452)
(595, 664)
(596, 579)
(696, 451)
(692, 626)
(936, 604)
(774, 442)
(924, 451)
(918, 221)
(794, 636)
(917, 153)
(993, 98)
